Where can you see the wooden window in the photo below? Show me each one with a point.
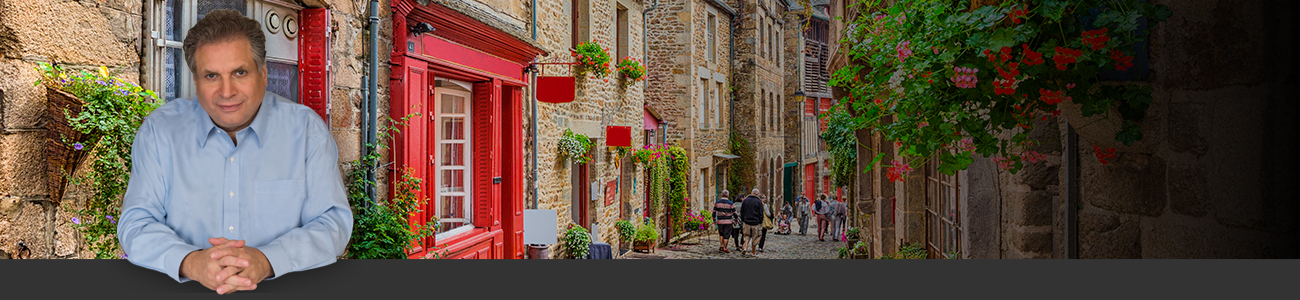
(710, 38)
(702, 118)
(622, 34)
(943, 227)
(717, 106)
(452, 158)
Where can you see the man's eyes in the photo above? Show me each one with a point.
(214, 76)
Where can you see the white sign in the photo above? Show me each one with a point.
(539, 226)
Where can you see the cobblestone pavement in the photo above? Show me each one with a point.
(793, 246)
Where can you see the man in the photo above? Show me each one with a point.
(767, 211)
(736, 226)
(751, 213)
(822, 209)
(839, 212)
(723, 209)
(237, 185)
(803, 215)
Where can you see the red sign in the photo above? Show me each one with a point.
(618, 136)
(555, 89)
(611, 190)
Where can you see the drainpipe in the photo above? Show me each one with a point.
(731, 110)
(372, 119)
(532, 93)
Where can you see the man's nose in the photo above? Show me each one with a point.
(227, 89)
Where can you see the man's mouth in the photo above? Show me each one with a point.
(230, 108)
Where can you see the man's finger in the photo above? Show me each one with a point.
(227, 272)
(232, 261)
(238, 281)
(217, 241)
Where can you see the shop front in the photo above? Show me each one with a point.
(461, 83)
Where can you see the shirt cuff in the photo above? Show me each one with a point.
(280, 264)
(172, 260)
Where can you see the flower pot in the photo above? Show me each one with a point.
(61, 158)
(643, 246)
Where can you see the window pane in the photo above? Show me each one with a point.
(453, 128)
(282, 79)
(173, 20)
(172, 74)
(453, 154)
(206, 6)
(453, 181)
(451, 207)
(452, 104)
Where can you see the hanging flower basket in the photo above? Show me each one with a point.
(63, 152)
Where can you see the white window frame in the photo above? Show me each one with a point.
(466, 156)
(158, 44)
(704, 96)
(712, 25)
(717, 105)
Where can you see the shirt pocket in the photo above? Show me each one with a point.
(278, 207)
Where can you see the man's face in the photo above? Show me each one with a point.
(230, 85)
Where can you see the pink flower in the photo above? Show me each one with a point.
(904, 50)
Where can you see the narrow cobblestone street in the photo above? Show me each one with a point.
(793, 246)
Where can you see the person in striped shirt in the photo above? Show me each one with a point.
(723, 212)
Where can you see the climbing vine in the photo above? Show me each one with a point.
(677, 186)
(740, 172)
(932, 75)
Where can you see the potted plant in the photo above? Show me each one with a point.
(851, 236)
(860, 250)
(592, 60)
(576, 242)
(645, 238)
(631, 70)
(626, 231)
(576, 146)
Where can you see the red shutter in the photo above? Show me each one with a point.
(486, 112)
(512, 214)
(314, 60)
(412, 152)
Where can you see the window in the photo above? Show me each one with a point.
(704, 100)
(621, 21)
(943, 227)
(711, 38)
(717, 106)
(171, 19)
(452, 136)
(762, 106)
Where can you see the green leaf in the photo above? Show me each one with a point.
(1129, 133)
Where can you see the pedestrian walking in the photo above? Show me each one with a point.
(723, 212)
(751, 214)
(803, 215)
(839, 212)
(737, 232)
(823, 211)
(767, 220)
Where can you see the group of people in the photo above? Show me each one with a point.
(832, 215)
(742, 221)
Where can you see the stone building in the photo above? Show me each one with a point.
(808, 46)
(759, 94)
(476, 55)
(690, 78)
(1205, 181)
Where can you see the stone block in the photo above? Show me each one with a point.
(22, 165)
(1131, 183)
(1035, 242)
(1212, 44)
(1104, 234)
(1040, 175)
(1033, 209)
(29, 224)
(1188, 190)
(1185, 133)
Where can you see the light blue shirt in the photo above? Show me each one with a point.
(279, 190)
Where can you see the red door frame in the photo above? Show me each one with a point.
(463, 48)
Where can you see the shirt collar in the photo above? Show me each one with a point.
(258, 128)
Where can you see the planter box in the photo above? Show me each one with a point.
(643, 246)
(61, 158)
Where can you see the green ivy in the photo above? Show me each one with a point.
(625, 230)
(741, 170)
(677, 186)
(382, 229)
(841, 145)
(113, 112)
(646, 233)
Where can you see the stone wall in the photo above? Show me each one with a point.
(758, 75)
(79, 35)
(598, 104)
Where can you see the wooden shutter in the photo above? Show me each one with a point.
(410, 93)
(486, 112)
(314, 61)
(512, 213)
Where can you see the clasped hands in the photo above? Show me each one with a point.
(227, 266)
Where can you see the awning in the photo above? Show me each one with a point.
(650, 122)
(725, 156)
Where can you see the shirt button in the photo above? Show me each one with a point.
(232, 159)
(232, 194)
(232, 228)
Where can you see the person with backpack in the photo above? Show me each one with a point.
(823, 211)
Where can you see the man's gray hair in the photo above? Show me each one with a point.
(224, 25)
(725, 193)
(755, 191)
